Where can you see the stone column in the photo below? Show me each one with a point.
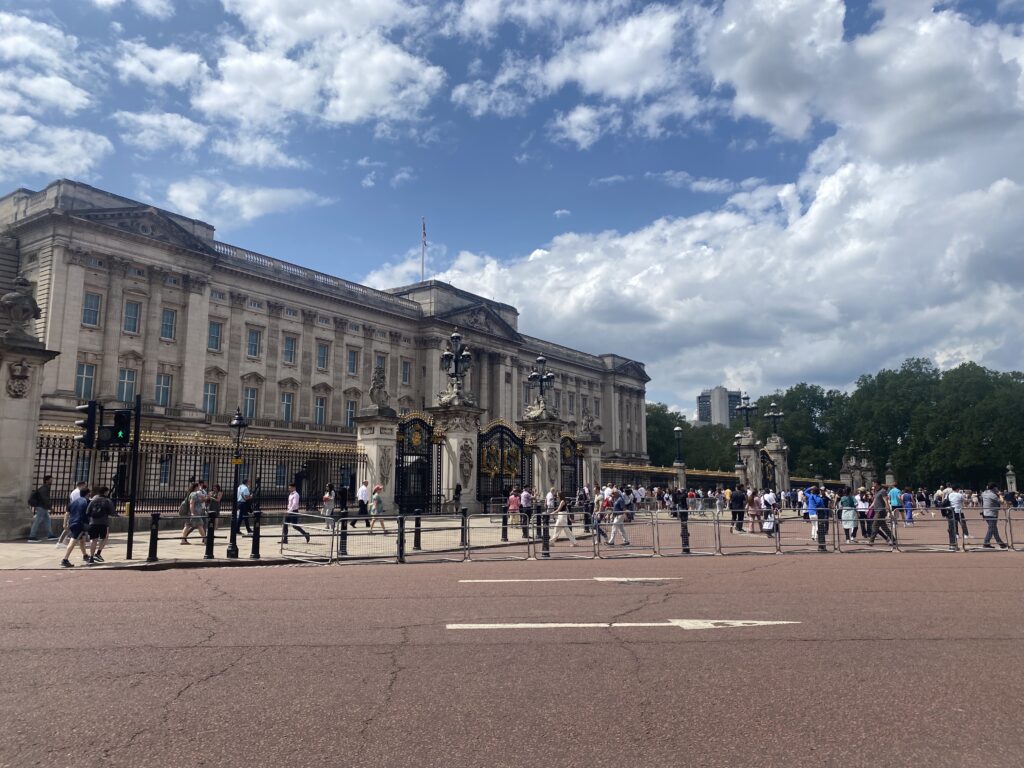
(460, 426)
(268, 408)
(376, 434)
(112, 318)
(890, 474)
(748, 467)
(304, 407)
(1011, 479)
(192, 346)
(338, 363)
(778, 452)
(145, 379)
(680, 468)
(235, 352)
(591, 445)
(21, 383)
(64, 325)
(544, 437)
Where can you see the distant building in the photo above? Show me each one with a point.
(717, 406)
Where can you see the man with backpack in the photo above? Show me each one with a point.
(77, 522)
(99, 511)
(737, 506)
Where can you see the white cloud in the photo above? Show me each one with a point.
(561, 213)
(159, 9)
(227, 206)
(683, 180)
(21, 90)
(158, 66)
(369, 180)
(607, 181)
(30, 148)
(25, 41)
(584, 125)
(476, 18)
(368, 162)
(402, 176)
(512, 90)
(252, 149)
(287, 23)
(153, 131)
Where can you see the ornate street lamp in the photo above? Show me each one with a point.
(238, 425)
(746, 409)
(774, 415)
(540, 377)
(678, 432)
(736, 444)
(456, 361)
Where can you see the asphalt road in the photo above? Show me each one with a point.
(896, 660)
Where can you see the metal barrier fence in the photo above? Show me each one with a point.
(497, 535)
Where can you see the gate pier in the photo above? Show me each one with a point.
(459, 426)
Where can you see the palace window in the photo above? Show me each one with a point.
(320, 411)
(287, 401)
(288, 350)
(85, 377)
(214, 336)
(254, 342)
(250, 399)
(323, 354)
(163, 389)
(91, 309)
(211, 390)
(406, 372)
(350, 413)
(132, 316)
(353, 362)
(126, 385)
(168, 324)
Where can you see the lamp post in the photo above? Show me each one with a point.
(678, 432)
(736, 444)
(774, 415)
(238, 425)
(540, 377)
(456, 361)
(746, 409)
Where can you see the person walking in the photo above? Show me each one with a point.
(213, 502)
(818, 511)
(195, 504)
(879, 522)
(525, 511)
(737, 504)
(291, 515)
(327, 510)
(99, 511)
(755, 511)
(562, 520)
(990, 506)
(618, 518)
(77, 521)
(243, 500)
(39, 502)
(864, 512)
(956, 501)
(377, 508)
(363, 497)
(512, 504)
(848, 507)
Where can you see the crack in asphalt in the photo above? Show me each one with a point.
(393, 672)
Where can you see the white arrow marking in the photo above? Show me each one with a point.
(680, 623)
(592, 578)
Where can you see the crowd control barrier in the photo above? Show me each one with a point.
(979, 528)
(494, 536)
(684, 535)
(628, 538)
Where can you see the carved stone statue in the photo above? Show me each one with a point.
(21, 309)
(551, 459)
(385, 463)
(466, 461)
(588, 426)
(540, 410)
(455, 395)
(379, 395)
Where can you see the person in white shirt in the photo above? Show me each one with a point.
(525, 510)
(549, 500)
(244, 501)
(956, 500)
(292, 515)
(363, 497)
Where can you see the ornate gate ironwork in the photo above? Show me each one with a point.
(417, 467)
(571, 459)
(502, 463)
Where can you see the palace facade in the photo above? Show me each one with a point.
(141, 300)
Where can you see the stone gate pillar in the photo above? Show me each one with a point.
(890, 474)
(376, 434)
(460, 426)
(778, 452)
(748, 469)
(543, 437)
(1011, 479)
(22, 357)
(590, 442)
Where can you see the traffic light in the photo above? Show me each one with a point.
(88, 424)
(122, 429)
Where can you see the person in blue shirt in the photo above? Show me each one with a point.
(77, 522)
(817, 507)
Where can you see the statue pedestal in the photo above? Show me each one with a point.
(21, 380)
(778, 452)
(543, 437)
(748, 468)
(680, 468)
(376, 432)
(460, 425)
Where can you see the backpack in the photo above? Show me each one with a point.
(33, 499)
(183, 508)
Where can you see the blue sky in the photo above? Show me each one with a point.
(752, 193)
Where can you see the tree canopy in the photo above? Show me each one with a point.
(964, 424)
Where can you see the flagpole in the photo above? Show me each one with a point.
(423, 252)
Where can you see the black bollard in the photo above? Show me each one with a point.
(401, 538)
(684, 531)
(211, 522)
(543, 521)
(154, 536)
(464, 528)
(343, 535)
(256, 515)
(417, 525)
(504, 524)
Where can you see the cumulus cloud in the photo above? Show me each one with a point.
(561, 213)
(153, 131)
(402, 176)
(683, 180)
(158, 67)
(28, 147)
(159, 9)
(226, 205)
(369, 180)
(258, 151)
(584, 125)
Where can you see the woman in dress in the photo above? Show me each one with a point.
(754, 511)
(328, 507)
(377, 508)
(848, 505)
(562, 520)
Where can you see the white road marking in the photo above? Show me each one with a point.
(591, 578)
(679, 623)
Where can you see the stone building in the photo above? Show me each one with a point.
(141, 300)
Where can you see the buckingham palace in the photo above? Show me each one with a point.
(140, 300)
